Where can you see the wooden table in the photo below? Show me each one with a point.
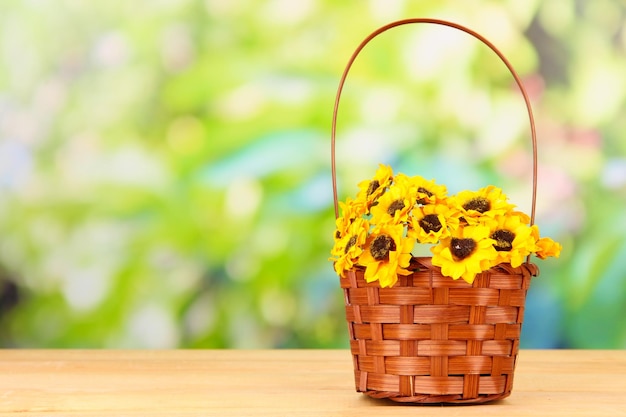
(281, 383)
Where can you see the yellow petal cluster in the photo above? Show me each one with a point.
(471, 231)
(467, 252)
(387, 254)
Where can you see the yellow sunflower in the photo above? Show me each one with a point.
(432, 222)
(348, 248)
(393, 206)
(513, 238)
(350, 210)
(427, 192)
(482, 205)
(468, 251)
(387, 254)
(548, 247)
(545, 246)
(370, 190)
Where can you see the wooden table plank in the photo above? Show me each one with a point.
(280, 382)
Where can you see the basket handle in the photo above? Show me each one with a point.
(455, 26)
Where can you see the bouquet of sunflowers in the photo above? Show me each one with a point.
(470, 232)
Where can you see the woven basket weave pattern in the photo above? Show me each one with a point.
(432, 339)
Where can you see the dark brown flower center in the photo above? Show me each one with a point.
(395, 206)
(381, 246)
(504, 240)
(462, 248)
(351, 242)
(430, 223)
(374, 185)
(423, 190)
(479, 204)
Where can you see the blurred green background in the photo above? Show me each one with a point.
(165, 174)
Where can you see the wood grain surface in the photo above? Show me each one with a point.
(281, 383)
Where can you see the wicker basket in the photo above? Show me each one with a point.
(429, 338)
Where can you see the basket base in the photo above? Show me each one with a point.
(427, 399)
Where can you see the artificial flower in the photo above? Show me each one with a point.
(513, 238)
(483, 204)
(350, 210)
(387, 254)
(349, 247)
(547, 247)
(394, 205)
(467, 252)
(433, 222)
(427, 192)
(370, 190)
